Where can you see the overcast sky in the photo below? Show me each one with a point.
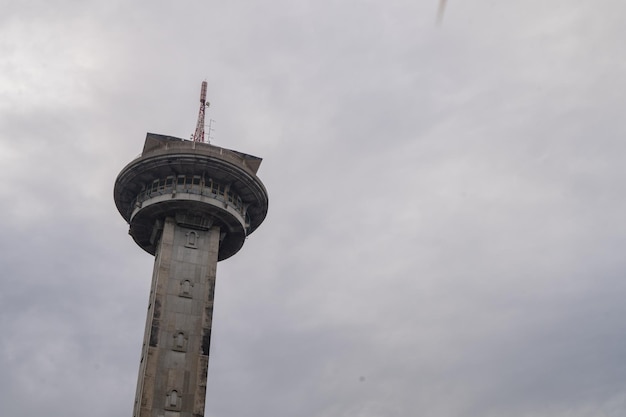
(446, 228)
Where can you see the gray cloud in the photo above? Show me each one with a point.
(445, 230)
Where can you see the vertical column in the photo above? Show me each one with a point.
(175, 353)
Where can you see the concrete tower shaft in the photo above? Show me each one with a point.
(190, 204)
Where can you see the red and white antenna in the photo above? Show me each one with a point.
(198, 135)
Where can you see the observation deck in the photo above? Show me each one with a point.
(198, 184)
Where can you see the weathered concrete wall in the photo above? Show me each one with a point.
(175, 353)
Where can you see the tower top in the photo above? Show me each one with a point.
(198, 135)
(175, 177)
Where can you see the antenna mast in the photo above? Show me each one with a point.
(198, 135)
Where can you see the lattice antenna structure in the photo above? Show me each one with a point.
(198, 135)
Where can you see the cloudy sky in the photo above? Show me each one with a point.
(446, 230)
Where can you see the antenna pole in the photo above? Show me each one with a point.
(198, 135)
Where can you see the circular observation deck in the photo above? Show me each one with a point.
(198, 184)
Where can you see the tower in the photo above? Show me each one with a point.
(190, 204)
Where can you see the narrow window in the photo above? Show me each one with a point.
(180, 342)
(196, 183)
(169, 182)
(173, 400)
(185, 288)
(192, 239)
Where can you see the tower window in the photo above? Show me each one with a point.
(192, 239)
(180, 342)
(172, 401)
(185, 288)
(155, 186)
(169, 182)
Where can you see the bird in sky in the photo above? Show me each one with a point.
(442, 9)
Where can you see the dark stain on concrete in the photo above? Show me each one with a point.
(154, 331)
(206, 341)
